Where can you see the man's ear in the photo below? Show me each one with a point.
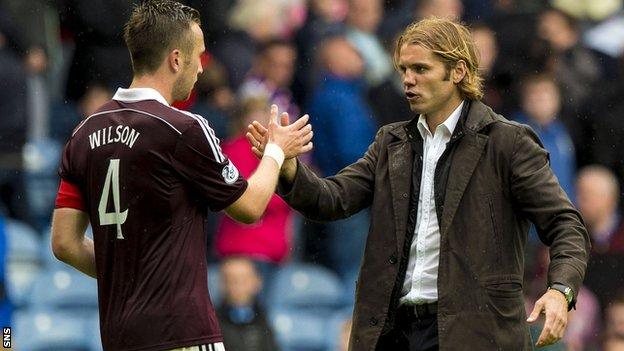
(175, 60)
(459, 71)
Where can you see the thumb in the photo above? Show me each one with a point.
(536, 312)
(284, 119)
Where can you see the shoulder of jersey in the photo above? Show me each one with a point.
(170, 117)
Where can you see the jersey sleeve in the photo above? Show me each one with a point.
(65, 171)
(198, 158)
(69, 195)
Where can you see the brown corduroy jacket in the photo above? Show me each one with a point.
(492, 181)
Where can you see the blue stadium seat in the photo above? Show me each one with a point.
(304, 286)
(65, 288)
(214, 284)
(299, 331)
(49, 330)
(23, 260)
(41, 159)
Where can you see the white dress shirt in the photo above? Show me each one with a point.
(421, 279)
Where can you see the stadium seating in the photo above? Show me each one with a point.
(65, 288)
(296, 331)
(48, 330)
(23, 260)
(41, 160)
(311, 288)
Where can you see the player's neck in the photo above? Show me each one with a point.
(148, 81)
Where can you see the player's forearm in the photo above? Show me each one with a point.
(69, 243)
(81, 255)
(251, 205)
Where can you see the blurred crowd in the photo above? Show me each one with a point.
(556, 65)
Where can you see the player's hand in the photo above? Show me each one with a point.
(257, 136)
(555, 306)
(294, 139)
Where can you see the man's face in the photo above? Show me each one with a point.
(365, 14)
(278, 64)
(192, 66)
(541, 101)
(426, 80)
(615, 320)
(241, 283)
(594, 200)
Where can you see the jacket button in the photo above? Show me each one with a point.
(392, 259)
(404, 195)
(373, 321)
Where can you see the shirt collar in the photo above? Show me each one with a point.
(449, 123)
(139, 94)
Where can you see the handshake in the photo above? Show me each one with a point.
(280, 140)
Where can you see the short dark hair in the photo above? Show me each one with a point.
(155, 27)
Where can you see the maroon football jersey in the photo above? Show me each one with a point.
(148, 174)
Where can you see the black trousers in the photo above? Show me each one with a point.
(411, 333)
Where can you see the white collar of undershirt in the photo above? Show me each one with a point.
(139, 94)
(449, 123)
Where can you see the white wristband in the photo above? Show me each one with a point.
(275, 152)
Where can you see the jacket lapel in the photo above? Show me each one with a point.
(400, 160)
(465, 159)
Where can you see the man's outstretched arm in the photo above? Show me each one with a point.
(287, 141)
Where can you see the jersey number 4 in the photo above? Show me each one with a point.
(117, 217)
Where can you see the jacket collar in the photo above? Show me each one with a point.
(477, 117)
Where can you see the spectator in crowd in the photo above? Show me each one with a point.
(362, 22)
(606, 131)
(614, 328)
(406, 11)
(65, 116)
(598, 190)
(252, 23)
(574, 66)
(324, 19)
(598, 199)
(243, 321)
(339, 104)
(215, 99)
(99, 54)
(541, 108)
(271, 76)
(13, 124)
(487, 47)
(267, 242)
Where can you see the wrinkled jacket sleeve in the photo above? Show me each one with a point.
(335, 197)
(538, 196)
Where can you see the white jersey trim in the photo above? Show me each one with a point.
(121, 110)
(213, 141)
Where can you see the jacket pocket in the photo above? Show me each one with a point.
(495, 234)
(503, 293)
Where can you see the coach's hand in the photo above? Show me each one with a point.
(555, 306)
(294, 139)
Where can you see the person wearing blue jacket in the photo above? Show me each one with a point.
(344, 126)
